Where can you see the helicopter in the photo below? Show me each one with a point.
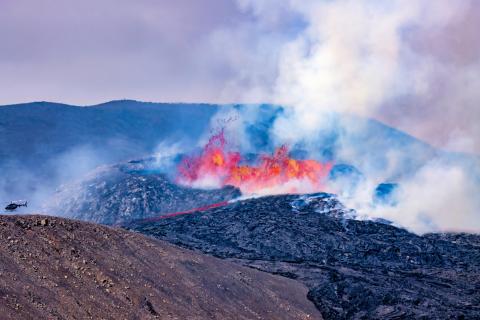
(15, 204)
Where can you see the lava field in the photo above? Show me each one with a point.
(354, 269)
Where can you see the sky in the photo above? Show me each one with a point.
(413, 64)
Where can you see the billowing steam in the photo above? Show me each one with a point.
(437, 197)
(413, 65)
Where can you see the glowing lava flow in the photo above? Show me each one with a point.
(277, 173)
(181, 213)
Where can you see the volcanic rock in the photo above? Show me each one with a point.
(75, 270)
(130, 191)
(354, 269)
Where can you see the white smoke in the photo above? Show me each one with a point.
(411, 64)
(438, 198)
(359, 56)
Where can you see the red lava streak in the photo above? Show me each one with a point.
(277, 173)
(180, 213)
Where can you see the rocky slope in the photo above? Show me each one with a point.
(54, 268)
(130, 191)
(354, 269)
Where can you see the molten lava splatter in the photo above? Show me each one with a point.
(277, 173)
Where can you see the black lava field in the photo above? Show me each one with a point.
(354, 269)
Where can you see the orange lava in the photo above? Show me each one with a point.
(277, 173)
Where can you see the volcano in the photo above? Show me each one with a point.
(262, 205)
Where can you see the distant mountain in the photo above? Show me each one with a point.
(44, 143)
(36, 132)
(54, 268)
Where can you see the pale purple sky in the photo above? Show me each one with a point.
(90, 51)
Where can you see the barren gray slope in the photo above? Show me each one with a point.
(53, 268)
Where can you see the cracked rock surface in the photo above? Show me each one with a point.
(353, 269)
(131, 191)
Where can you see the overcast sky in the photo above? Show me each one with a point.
(412, 64)
(91, 51)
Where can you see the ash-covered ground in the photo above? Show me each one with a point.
(55, 268)
(353, 269)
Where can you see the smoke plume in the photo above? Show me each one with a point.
(412, 65)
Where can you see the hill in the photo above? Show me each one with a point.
(54, 268)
